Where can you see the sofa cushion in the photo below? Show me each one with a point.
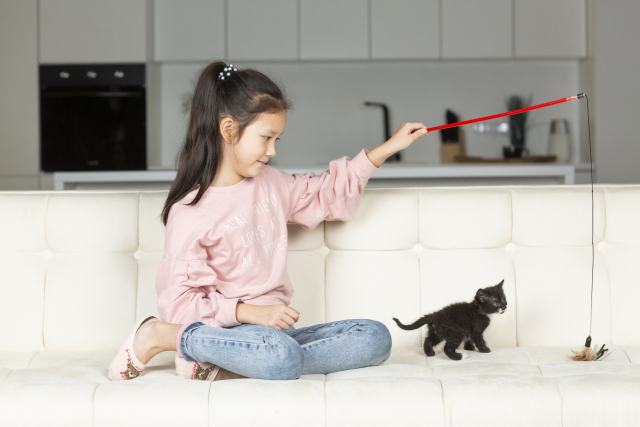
(408, 389)
(402, 363)
(604, 400)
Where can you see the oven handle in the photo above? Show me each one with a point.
(90, 94)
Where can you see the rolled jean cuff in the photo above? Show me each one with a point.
(179, 339)
(185, 328)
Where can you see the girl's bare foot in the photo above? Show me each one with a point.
(148, 340)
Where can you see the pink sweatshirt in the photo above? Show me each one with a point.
(232, 245)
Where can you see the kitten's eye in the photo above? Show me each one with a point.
(495, 303)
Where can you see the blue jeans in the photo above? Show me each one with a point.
(258, 351)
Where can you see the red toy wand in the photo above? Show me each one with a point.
(508, 113)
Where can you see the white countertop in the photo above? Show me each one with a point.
(389, 170)
(455, 170)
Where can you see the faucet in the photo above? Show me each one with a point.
(395, 157)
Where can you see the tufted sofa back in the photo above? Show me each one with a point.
(77, 268)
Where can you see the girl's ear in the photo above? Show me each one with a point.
(226, 126)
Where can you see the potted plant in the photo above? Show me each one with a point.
(517, 127)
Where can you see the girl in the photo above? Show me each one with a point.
(223, 288)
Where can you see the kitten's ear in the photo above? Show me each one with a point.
(481, 295)
(501, 283)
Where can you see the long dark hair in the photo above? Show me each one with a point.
(243, 96)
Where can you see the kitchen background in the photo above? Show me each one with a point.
(420, 57)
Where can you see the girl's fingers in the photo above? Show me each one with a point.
(281, 325)
(415, 126)
(419, 134)
(420, 128)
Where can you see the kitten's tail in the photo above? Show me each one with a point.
(415, 325)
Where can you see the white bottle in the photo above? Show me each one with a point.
(559, 144)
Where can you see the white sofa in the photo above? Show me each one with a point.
(77, 268)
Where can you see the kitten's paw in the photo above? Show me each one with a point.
(454, 355)
(431, 353)
(469, 346)
(464, 355)
(484, 350)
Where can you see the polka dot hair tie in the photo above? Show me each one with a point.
(227, 70)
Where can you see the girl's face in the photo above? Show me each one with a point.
(254, 149)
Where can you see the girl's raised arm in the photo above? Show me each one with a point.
(333, 195)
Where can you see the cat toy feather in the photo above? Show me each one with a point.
(587, 353)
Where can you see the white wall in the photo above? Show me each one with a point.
(329, 119)
(617, 90)
(19, 133)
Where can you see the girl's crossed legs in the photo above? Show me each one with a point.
(258, 351)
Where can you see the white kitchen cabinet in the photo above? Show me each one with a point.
(550, 29)
(334, 29)
(477, 29)
(405, 29)
(19, 135)
(189, 30)
(81, 31)
(265, 29)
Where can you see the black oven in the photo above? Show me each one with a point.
(93, 117)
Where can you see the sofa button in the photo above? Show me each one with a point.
(47, 253)
(418, 248)
(324, 250)
(137, 254)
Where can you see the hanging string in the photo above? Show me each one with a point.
(592, 222)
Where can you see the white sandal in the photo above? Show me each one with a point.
(194, 370)
(125, 365)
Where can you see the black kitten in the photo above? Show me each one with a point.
(461, 321)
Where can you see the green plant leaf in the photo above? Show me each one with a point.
(518, 122)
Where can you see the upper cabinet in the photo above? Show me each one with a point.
(550, 28)
(77, 31)
(262, 30)
(334, 29)
(405, 29)
(477, 29)
(293, 30)
(189, 30)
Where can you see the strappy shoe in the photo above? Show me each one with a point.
(194, 370)
(126, 366)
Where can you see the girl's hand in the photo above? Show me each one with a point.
(405, 135)
(277, 316)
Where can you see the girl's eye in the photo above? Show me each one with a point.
(277, 139)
